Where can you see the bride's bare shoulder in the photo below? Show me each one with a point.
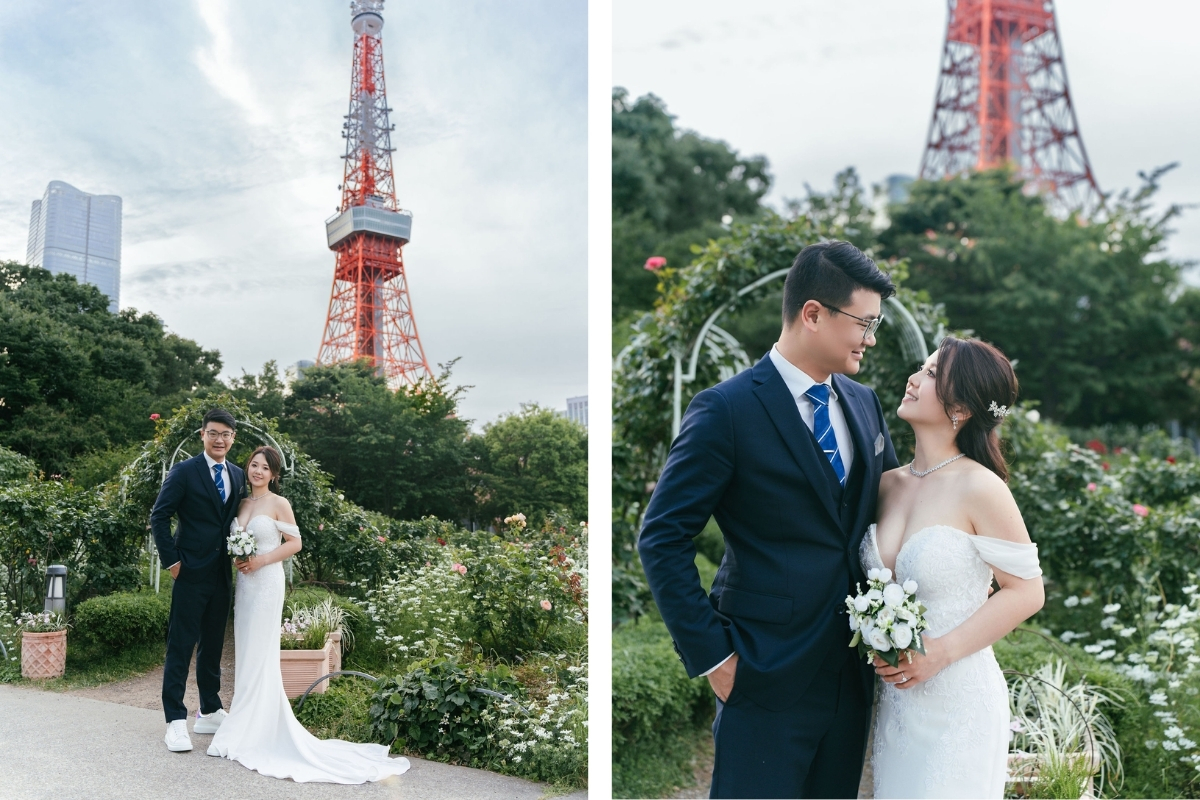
(891, 479)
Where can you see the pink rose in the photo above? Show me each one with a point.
(321, 527)
(459, 568)
(546, 605)
(655, 263)
(1140, 510)
(1091, 487)
(380, 538)
(154, 417)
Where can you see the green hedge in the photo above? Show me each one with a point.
(658, 713)
(123, 619)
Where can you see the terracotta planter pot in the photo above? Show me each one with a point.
(301, 667)
(43, 655)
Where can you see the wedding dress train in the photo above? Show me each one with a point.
(261, 732)
(948, 736)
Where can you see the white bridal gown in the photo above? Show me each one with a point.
(948, 736)
(261, 732)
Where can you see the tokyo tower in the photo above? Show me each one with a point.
(1003, 98)
(370, 312)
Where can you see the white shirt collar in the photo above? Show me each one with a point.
(797, 380)
(212, 461)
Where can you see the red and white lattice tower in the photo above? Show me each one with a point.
(1002, 98)
(370, 313)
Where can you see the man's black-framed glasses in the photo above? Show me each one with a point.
(869, 326)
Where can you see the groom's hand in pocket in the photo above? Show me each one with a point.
(174, 570)
(721, 678)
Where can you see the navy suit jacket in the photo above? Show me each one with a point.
(745, 457)
(190, 494)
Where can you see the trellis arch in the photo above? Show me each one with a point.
(681, 344)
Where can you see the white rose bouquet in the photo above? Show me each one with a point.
(242, 543)
(887, 619)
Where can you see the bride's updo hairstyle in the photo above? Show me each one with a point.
(274, 463)
(973, 375)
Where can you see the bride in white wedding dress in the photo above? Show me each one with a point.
(949, 522)
(260, 730)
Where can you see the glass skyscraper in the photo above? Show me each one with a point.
(80, 234)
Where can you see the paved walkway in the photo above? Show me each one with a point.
(64, 746)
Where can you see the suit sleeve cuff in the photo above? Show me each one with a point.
(717, 666)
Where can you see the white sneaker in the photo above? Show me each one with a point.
(177, 738)
(213, 751)
(208, 723)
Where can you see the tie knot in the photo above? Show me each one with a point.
(818, 393)
(218, 468)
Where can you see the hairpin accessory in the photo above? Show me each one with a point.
(998, 410)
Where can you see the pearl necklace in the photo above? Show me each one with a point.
(931, 469)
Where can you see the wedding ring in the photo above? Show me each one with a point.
(903, 679)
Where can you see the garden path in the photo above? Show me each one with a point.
(106, 741)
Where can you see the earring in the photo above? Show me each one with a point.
(954, 421)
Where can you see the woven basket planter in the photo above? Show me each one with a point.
(301, 667)
(43, 655)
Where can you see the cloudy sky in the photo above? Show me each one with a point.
(817, 85)
(218, 123)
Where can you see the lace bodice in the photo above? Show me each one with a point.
(948, 736)
(266, 531)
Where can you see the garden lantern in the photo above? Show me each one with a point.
(56, 589)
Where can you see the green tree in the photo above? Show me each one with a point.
(404, 453)
(535, 463)
(264, 393)
(1093, 312)
(671, 189)
(76, 378)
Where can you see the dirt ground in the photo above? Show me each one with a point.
(145, 691)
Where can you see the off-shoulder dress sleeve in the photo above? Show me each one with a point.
(294, 530)
(1015, 558)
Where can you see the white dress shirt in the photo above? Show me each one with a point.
(212, 473)
(798, 382)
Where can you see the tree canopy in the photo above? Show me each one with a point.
(1094, 313)
(75, 377)
(671, 189)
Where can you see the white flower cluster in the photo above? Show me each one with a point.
(242, 543)
(556, 727)
(1165, 663)
(887, 618)
(418, 613)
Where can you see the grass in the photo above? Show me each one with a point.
(340, 713)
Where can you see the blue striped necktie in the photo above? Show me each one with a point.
(818, 393)
(220, 482)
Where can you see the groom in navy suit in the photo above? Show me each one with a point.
(203, 493)
(787, 457)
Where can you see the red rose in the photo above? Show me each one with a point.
(1096, 446)
(154, 417)
(1170, 459)
(441, 541)
(1104, 465)
(655, 263)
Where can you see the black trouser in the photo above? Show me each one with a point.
(814, 748)
(199, 613)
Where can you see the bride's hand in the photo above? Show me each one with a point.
(246, 566)
(922, 668)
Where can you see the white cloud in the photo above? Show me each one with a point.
(225, 210)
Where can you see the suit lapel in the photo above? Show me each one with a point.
(856, 420)
(780, 406)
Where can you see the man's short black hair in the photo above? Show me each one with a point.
(829, 272)
(219, 415)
